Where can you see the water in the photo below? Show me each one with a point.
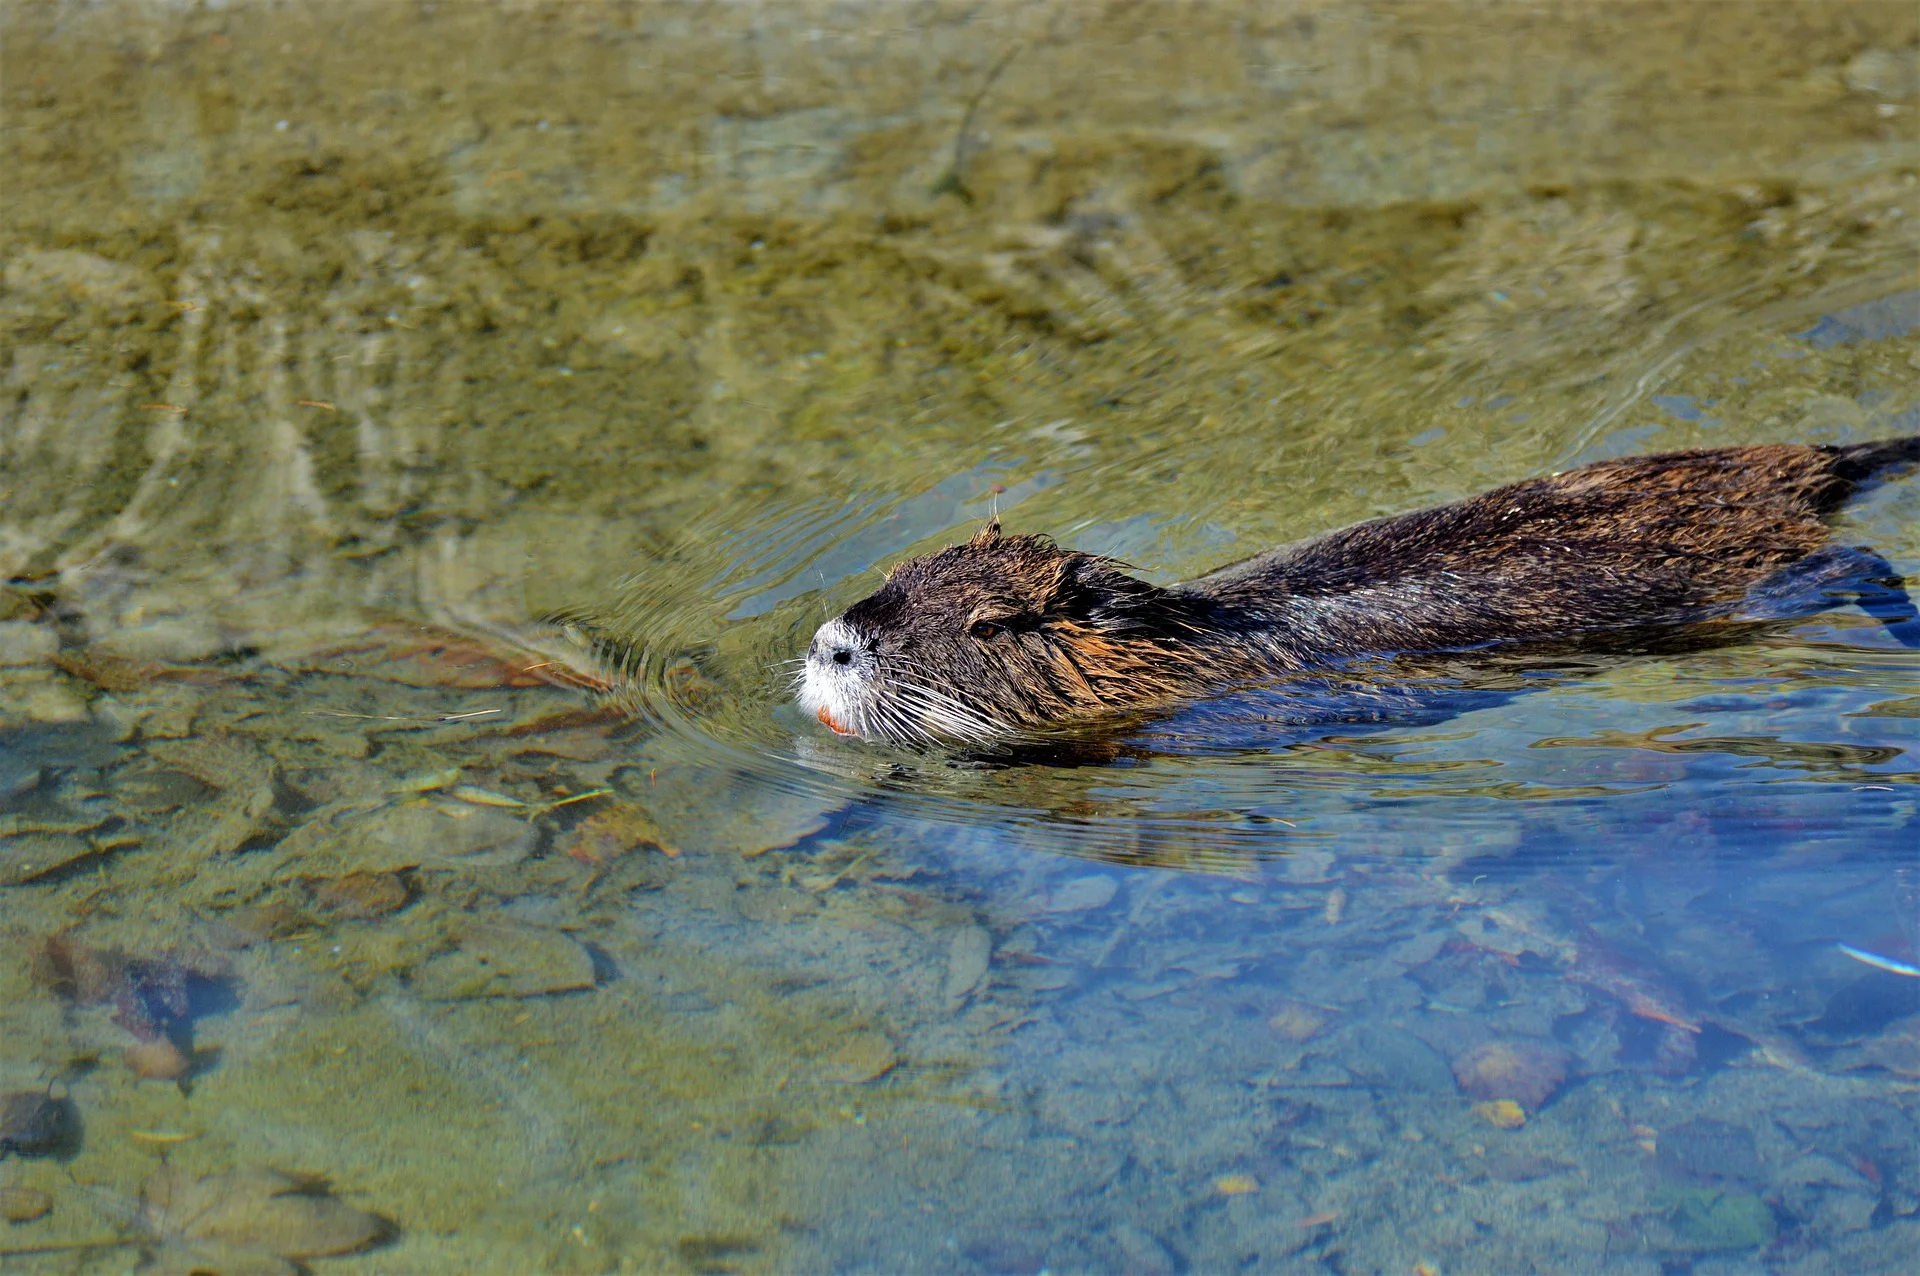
(346, 343)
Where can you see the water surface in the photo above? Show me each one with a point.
(346, 344)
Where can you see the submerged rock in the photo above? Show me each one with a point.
(610, 833)
(1527, 1072)
(863, 1057)
(506, 959)
(1082, 894)
(359, 896)
(64, 276)
(1504, 1114)
(24, 1204)
(27, 752)
(158, 1061)
(252, 1212)
(152, 997)
(178, 639)
(969, 954)
(414, 834)
(1894, 1049)
(1395, 1059)
(25, 643)
(1709, 1151)
(32, 697)
(447, 833)
(1705, 1219)
(32, 1123)
(702, 809)
(31, 856)
(1296, 1021)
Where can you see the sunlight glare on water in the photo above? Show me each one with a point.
(433, 434)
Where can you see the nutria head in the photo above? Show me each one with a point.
(996, 638)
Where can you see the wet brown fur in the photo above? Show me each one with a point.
(1673, 539)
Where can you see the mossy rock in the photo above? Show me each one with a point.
(1705, 1219)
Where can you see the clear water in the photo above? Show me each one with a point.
(346, 343)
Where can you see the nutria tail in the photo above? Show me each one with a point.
(1858, 462)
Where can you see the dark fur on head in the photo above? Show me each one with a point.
(1006, 634)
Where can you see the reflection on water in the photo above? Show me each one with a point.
(358, 916)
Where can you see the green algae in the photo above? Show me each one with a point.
(481, 270)
(1706, 1219)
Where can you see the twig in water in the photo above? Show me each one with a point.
(954, 180)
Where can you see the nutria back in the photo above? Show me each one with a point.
(1005, 636)
(1646, 540)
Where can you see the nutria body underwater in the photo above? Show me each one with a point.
(1010, 637)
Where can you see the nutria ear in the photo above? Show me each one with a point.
(1093, 590)
(988, 534)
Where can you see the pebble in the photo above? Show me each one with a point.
(419, 832)
(67, 274)
(1885, 73)
(361, 895)
(1396, 1059)
(1503, 1113)
(506, 959)
(1297, 1022)
(969, 954)
(1528, 1072)
(31, 1123)
(159, 1060)
(24, 1204)
(1145, 1253)
(1082, 894)
(172, 639)
(25, 643)
(1710, 1152)
(1309, 868)
(866, 1056)
(34, 696)
(33, 855)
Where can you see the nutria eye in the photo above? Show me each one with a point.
(984, 629)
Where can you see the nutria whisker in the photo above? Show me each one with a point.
(1012, 636)
(944, 716)
(965, 719)
(904, 729)
(954, 719)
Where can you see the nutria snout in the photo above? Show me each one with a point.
(1006, 636)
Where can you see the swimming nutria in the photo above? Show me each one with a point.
(1007, 636)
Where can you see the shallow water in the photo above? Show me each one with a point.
(348, 345)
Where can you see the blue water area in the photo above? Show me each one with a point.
(1891, 316)
(1682, 407)
(1537, 961)
(1269, 997)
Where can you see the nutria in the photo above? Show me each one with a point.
(1012, 636)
